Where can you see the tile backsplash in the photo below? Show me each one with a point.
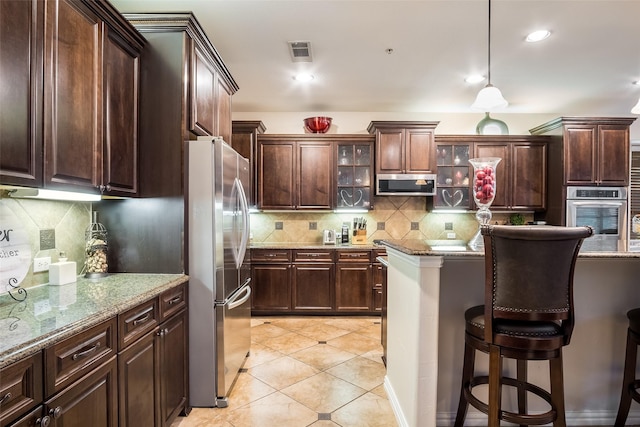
(59, 224)
(392, 218)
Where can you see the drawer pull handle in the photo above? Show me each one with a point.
(84, 353)
(44, 421)
(55, 413)
(141, 319)
(5, 398)
(175, 300)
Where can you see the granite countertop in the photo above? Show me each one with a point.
(421, 247)
(52, 313)
(298, 245)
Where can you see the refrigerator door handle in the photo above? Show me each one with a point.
(246, 229)
(237, 301)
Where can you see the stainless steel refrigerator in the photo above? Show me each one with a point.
(218, 269)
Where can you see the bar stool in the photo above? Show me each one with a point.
(528, 315)
(630, 384)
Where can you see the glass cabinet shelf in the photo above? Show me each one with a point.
(453, 177)
(354, 176)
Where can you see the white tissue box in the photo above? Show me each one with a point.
(61, 273)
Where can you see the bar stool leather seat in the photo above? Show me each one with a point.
(630, 384)
(527, 315)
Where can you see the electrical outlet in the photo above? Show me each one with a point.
(451, 235)
(41, 264)
(448, 226)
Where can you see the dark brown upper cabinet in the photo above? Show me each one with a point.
(404, 147)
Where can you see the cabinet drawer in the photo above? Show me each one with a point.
(136, 322)
(69, 359)
(354, 256)
(270, 255)
(20, 387)
(313, 255)
(376, 253)
(172, 301)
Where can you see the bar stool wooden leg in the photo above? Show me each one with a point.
(628, 379)
(557, 390)
(522, 393)
(495, 386)
(467, 374)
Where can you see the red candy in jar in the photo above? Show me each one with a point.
(484, 183)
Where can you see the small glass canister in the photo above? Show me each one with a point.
(96, 249)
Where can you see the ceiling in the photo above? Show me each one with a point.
(586, 67)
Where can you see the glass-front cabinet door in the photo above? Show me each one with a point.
(354, 176)
(453, 176)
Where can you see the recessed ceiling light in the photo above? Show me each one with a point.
(303, 77)
(537, 36)
(637, 82)
(476, 78)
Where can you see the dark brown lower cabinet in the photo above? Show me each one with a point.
(90, 401)
(353, 286)
(36, 418)
(138, 380)
(313, 287)
(271, 287)
(173, 346)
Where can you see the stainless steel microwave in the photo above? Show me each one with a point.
(405, 184)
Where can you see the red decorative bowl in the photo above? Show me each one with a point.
(317, 124)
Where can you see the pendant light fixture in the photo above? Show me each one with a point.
(489, 98)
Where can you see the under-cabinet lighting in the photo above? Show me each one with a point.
(38, 193)
(347, 211)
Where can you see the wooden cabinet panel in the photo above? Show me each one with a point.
(174, 370)
(353, 287)
(244, 140)
(580, 166)
(276, 188)
(613, 154)
(203, 80)
(270, 255)
(223, 110)
(315, 175)
(35, 418)
(121, 93)
(20, 388)
(271, 286)
(173, 301)
(404, 146)
(419, 152)
(21, 68)
(90, 401)
(72, 108)
(529, 176)
(73, 357)
(313, 286)
(139, 383)
(390, 157)
(138, 321)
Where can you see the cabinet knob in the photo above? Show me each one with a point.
(55, 413)
(44, 421)
(160, 332)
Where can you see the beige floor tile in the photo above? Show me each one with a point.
(375, 355)
(290, 342)
(380, 391)
(295, 323)
(323, 392)
(372, 331)
(355, 343)
(282, 372)
(266, 331)
(201, 417)
(323, 423)
(323, 332)
(322, 356)
(275, 410)
(260, 354)
(369, 410)
(360, 371)
(247, 389)
(351, 323)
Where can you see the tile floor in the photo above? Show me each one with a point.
(306, 371)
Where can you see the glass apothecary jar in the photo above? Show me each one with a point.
(96, 249)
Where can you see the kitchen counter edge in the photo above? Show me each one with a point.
(140, 287)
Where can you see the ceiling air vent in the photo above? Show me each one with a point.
(300, 51)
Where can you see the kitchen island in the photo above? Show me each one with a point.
(429, 288)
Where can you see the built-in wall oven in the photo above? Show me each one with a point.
(604, 209)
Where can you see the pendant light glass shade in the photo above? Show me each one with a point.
(489, 99)
(636, 109)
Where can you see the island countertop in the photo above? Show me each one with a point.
(422, 247)
(52, 313)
